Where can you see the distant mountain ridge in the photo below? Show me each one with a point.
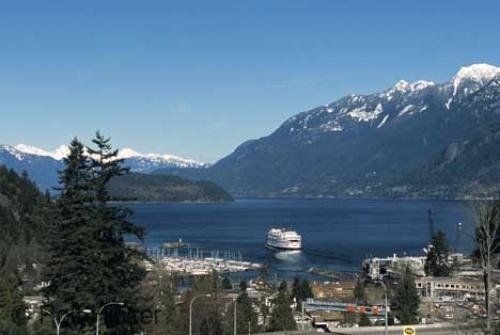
(42, 165)
(415, 139)
(157, 188)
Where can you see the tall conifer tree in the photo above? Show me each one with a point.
(119, 270)
(282, 314)
(89, 264)
(436, 261)
(245, 316)
(71, 249)
(406, 301)
(301, 291)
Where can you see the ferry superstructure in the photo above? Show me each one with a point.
(282, 238)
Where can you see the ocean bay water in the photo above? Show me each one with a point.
(337, 234)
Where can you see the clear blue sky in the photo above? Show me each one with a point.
(197, 78)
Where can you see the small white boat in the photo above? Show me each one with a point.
(285, 239)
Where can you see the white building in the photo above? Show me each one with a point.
(394, 264)
(450, 288)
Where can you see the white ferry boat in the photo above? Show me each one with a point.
(283, 238)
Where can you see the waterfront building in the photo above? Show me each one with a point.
(450, 288)
(376, 267)
(338, 291)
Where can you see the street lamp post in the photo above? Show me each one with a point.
(386, 331)
(58, 323)
(191, 310)
(99, 313)
(234, 316)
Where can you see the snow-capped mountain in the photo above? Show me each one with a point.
(380, 144)
(401, 100)
(41, 168)
(57, 154)
(147, 163)
(42, 165)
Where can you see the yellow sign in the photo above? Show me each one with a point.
(409, 331)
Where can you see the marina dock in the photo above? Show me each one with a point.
(194, 262)
(204, 266)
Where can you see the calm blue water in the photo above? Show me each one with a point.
(337, 234)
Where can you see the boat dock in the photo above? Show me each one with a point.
(194, 262)
(204, 266)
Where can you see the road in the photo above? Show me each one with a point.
(434, 329)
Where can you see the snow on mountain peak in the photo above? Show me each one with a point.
(403, 86)
(28, 149)
(60, 152)
(477, 72)
(128, 153)
(480, 74)
(57, 154)
(421, 84)
(125, 153)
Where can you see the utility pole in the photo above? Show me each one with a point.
(386, 329)
(431, 225)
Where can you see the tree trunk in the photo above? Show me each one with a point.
(487, 285)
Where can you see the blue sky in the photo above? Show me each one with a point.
(197, 78)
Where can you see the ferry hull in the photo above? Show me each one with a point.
(285, 245)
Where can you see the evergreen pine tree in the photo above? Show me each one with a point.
(12, 309)
(205, 308)
(89, 264)
(301, 291)
(169, 319)
(226, 283)
(119, 268)
(405, 301)
(161, 300)
(212, 325)
(305, 289)
(436, 262)
(71, 250)
(264, 311)
(246, 316)
(359, 291)
(23, 226)
(282, 315)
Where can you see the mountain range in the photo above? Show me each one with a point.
(42, 165)
(415, 139)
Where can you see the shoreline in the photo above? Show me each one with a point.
(236, 199)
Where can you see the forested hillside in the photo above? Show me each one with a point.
(142, 187)
(23, 226)
(68, 252)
